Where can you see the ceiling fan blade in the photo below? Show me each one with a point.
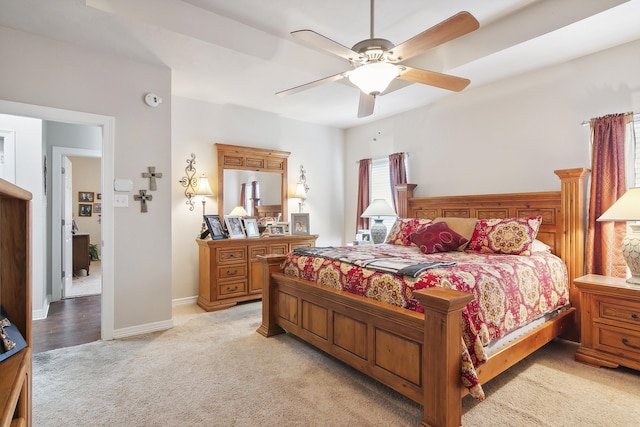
(324, 43)
(366, 104)
(456, 26)
(314, 83)
(432, 78)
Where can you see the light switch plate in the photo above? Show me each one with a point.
(120, 200)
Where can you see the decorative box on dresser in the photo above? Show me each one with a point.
(230, 271)
(15, 297)
(610, 322)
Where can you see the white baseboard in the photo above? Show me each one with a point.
(184, 301)
(41, 313)
(143, 329)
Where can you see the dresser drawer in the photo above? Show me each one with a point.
(619, 310)
(620, 341)
(233, 289)
(232, 271)
(254, 251)
(231, 255)
(279, 249)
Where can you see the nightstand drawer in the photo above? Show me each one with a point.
(618, 309)
(623, 342)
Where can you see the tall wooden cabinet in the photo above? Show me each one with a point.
(230, 271)
(15, 297)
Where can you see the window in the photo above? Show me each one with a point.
(636, 156)
(381, 184)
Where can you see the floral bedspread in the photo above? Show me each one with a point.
(510, 290)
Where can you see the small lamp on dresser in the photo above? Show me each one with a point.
(377, 209)
(203, 190)
(238, 211)
(627, 208)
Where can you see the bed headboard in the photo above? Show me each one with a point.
(563, 214)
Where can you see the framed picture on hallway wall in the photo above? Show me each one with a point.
(85, 196)
(84, 209)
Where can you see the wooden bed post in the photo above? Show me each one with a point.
(441, 359)
(572, 244)
(404, 192)
(270, 264)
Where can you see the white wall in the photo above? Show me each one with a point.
(196, 126)
(68, 77)
(505, 137)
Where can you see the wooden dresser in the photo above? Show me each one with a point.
(15, 297)
(230, 270)
(81, 255)
(610, 322)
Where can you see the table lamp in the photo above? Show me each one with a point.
(377, 209)
(203, 190)
(238, 211)
(627, 208)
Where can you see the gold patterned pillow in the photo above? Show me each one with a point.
(513, 236)
(402, 229)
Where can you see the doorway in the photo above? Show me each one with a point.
(42, 291)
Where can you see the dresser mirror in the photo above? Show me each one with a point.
(256, 175)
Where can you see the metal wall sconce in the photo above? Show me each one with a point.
(301, 189)
(190, 182)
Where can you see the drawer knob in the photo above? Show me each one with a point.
(230, 273)
(634, 316)
(628, 344)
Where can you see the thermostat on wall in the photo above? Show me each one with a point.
(122, 185)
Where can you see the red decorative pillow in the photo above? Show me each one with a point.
(513, 236)
(403, 228)
(437, 237)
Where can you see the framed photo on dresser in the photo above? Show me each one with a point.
(234, 226)
(251, 227)
(300, 224)
(216, 229)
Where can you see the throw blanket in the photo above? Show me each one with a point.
(373, 259)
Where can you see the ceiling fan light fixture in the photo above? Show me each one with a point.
(373, 79)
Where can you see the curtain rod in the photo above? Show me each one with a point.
(406, 154)
(636, 116)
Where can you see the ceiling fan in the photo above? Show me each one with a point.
(376, 62)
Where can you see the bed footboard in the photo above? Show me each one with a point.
(382, 341)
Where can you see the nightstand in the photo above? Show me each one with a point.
(610, 322)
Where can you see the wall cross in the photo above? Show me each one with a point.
(143, 198)
(152, 175)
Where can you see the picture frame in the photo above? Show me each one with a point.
(251, 227)
(300, 223)
(97, 208)
(85, 196)
(215, 227)
(276, 230)
(84, 209)
(285, 225)
(363, 237)
(234, 227)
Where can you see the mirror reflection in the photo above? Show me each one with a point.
(258, 192)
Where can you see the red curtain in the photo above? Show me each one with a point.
(397, 175)
(604, 239)
(364, 174)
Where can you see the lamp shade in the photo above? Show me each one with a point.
(238, 211)
(204, 189)
(379, 207)
(626, 208)
(300, 193)
(374, 78)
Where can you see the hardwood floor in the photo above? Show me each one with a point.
(70, 322)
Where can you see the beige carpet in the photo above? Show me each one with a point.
(86, 285)
(213, 369)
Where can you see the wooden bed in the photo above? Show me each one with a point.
(416, 354)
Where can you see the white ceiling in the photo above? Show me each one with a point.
(239, 52)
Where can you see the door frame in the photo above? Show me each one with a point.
(107, 123)
(57, 154)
